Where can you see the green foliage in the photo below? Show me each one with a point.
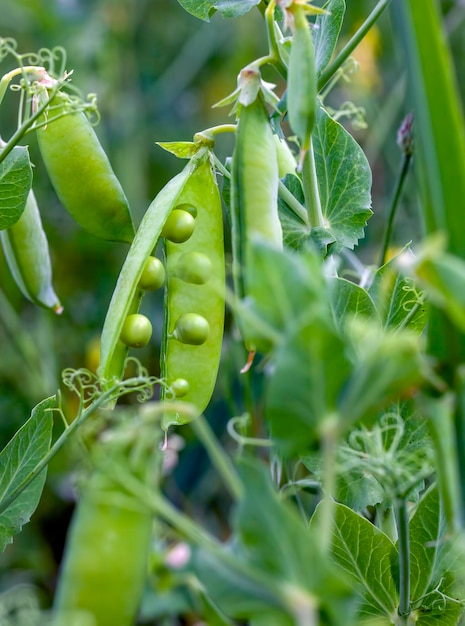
(15, 184)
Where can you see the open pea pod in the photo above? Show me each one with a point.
(127, 294)
(194, 301)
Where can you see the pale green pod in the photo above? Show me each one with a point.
(26, 251)
(286, 160)
(302, 83)
(254, 189)
(82, 176)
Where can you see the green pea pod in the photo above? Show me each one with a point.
(254, 196)
(302, 84)
(194, 296)
(127, 294)
(286, 160)
(27, 254)
(82, 175)
(105, 563)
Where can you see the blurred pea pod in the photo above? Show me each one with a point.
(81, 173)
(27, 254)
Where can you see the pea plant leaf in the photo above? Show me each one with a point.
(310, 368)
(344, 180)
(15, 184)
(399, 299)
(326, 32)
(349, 299)
(19, 457)
(204, 9)
(366, 555)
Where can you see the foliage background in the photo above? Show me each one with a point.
(157, 71)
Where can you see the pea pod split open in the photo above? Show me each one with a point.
(194, 287)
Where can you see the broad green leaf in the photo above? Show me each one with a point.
(295, 231)
(204, 9)
(181, 149)
(349, 299)
(15, 184)
(344, 180)
(366, 555)
(326, 32)
(19, 457)
(425, 531)
(309, 370)
(400, 301)
(278, 541)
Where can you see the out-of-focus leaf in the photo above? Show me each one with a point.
(349, 299)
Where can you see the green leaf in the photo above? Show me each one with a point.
(276, 540)
(19, 457)
(425, 533)
(286, 288)
(181, 149)
(349, 299)
(399, 300)
(204, 9)
(15, 184)
(387, 364)
(326, 32)
(344, 180)
(366, 555)
(310, 369)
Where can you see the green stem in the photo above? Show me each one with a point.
(311, 191)
(345, 53)
(273, 46)
(218, 457)
(329, 441)
(59, 443)
(403, 543)
(23, 129)
(401, 178)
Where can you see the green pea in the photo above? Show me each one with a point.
(192, 329)
(136, 331)
(105, 561)
(153, 275)
(193, 267)
(27, 254)
(194, 309)
(180, 387)
(187, 207)
(302, 83)
(179, 226)
(82, 175)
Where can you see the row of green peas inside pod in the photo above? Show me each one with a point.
(187, 214)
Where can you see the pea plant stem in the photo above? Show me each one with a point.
(345, 53)
(404, 168)
(330, 447)
(403, 543)
(310, 188)
(217, 455)
(59, 443)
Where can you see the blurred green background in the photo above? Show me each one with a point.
(157, 72)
